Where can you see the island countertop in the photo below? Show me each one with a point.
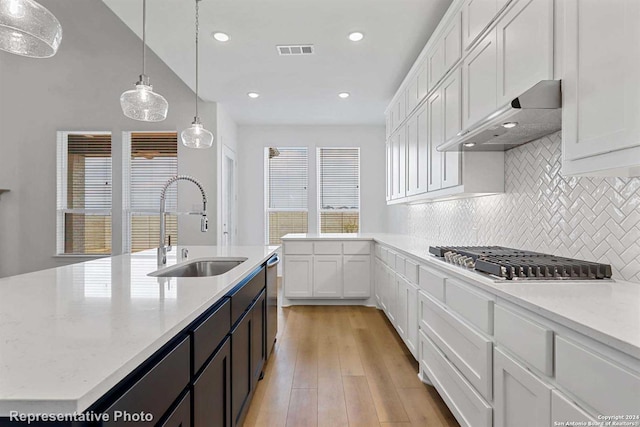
(606, 311)
(69, 334)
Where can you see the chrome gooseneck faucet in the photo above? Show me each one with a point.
(204, 222)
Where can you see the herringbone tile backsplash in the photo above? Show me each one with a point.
(596, 219)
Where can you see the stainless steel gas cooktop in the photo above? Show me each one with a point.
(514, 264)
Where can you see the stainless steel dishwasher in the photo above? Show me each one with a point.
(272, 302)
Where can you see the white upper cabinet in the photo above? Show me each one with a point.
(398, 164)
(476, 16)
(601, 87)
(452, 109)
(423, 80)
(388, 167)
(446, 52)
(412, 95)
(452, 41)
(417, 153)
(525, 47)
(479, 80)
(435, 126)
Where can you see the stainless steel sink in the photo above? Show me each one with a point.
(200, 268)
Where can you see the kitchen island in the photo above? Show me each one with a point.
(76, 338)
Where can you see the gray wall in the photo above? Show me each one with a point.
(596, 219)
(79, 89)
(251, 143)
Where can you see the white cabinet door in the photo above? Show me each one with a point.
(563, 410)
(388, 169)
(435, 128)
(412, 94)
(356, 275)
(423, 149)
(413, 156)
(378, 281)
(423, 80)
(479, 80)
(402, 162)
(601, 81)
(327, 276)
(476, 16)
(391, 295)
(298, 276)
(520, 398)
(436, 63)
(395, 166)
(525, 48)
(452, 99)
(402, 302)
(452, 42)
(411, 338)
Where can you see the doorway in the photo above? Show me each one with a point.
(228, 198)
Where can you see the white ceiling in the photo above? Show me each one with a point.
(298, 89)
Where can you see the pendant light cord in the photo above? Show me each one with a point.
(197, 50)
(144, 34)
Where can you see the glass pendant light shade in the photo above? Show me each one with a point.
(196, 136)
(28, 29)
(143, 104)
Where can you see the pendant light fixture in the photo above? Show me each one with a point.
(142, 103)
(197, 136)
(28, 29)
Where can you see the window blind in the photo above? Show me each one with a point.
(339, 178)
(154, 159)
(286, 192)
(84, 193)
(339, 189)
(288, 178)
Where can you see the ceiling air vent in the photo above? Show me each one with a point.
(300, 49)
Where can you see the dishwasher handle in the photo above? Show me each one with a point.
(273, 261)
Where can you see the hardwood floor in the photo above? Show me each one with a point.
(338, 366)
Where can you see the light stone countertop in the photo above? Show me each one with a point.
(606, 311)
(69, 334)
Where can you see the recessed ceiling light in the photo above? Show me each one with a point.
(469, 144)
(253, 95)
(344, 95)
(510, 125)
(356, 36)
(221, 37)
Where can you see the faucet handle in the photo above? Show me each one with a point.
(185, 253)
(169, 245)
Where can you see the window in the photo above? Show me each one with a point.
(286, 192)
(84, 193)
(153, 160)
(339, 189)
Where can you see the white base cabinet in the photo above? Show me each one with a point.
(521, 399)
(333, 270)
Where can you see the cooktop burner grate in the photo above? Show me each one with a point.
(512, 264)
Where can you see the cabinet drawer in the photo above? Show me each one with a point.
(242, 298)
(400, 264)
(209, 334)
(607, 387)
(384, 255)
(411, 271)
(530, 341)
(562, 409)
(469, 408)
(472, 305)
(357, 248)
(298, 248)
(467, 349)
(379, 251)
(327, 248)
(391, 260)
(157, 389)
(432, 282)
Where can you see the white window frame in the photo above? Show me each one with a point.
(62, 143)
(319, 188)
(266, 180)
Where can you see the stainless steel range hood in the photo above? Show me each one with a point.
(532, 115)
